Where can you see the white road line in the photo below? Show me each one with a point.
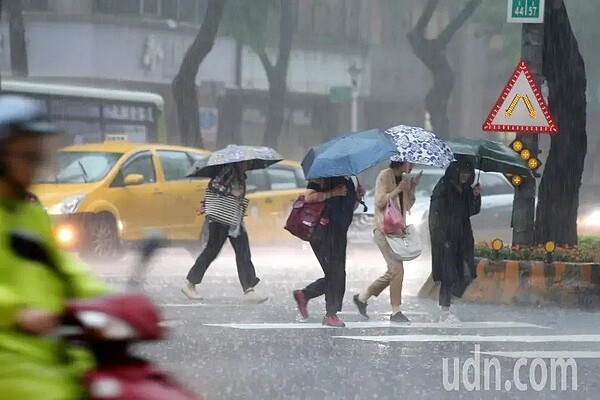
(542, 354)
(475, 338)
(384, 324)
(175, 305)
(385, 313)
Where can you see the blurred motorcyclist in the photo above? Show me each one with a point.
(32, 296)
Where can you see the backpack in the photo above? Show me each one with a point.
(304, 218)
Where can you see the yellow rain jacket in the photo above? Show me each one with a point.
(32, 367)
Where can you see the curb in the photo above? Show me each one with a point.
(530, 283)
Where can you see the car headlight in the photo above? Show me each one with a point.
(591, 219)
(66, 206)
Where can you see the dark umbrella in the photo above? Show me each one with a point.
(348, 155)
(257, 157)
(489, 156)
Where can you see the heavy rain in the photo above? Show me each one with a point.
(299, 199)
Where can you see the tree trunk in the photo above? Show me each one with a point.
(277, 74)
(18, 43)
(564, 69)
(432, 53)
(275, 110)
(184, 83)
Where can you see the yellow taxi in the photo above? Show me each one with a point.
(107, 195)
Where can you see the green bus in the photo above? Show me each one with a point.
(89, 114)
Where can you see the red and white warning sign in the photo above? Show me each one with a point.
(520, 107)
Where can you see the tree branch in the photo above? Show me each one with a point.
(454, 25)
(286, 34)
(204, 41)
(264, 59)
(425, 17)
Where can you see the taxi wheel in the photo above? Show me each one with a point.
(103, 239)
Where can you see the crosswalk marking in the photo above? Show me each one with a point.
(384, 324)
(425, 313)
(475, 338)
(176, 305)
(554, 354)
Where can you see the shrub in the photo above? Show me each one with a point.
(588, 251)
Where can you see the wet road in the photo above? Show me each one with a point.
(226, 349)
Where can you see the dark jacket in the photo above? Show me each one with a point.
(339, 211)
(452, 242)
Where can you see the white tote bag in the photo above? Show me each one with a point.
(408, 247)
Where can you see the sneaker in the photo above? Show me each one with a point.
(252, 297)
(190, 293)
(448, 317)
(362, 306)
(334, 321)
(302, 303)
(399, 317)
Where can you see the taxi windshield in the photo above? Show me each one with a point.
(82, 166)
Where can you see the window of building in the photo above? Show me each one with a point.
(117, 7)
(150, 7)
(35, 5)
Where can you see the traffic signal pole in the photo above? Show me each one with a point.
(523, 218)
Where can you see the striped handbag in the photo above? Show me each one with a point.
(224, 209)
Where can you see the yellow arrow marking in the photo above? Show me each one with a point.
(512, 106)
(529, 106)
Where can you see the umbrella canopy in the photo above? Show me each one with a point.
(489, 156)
(418, 146)
(348, 155)
(258, 157)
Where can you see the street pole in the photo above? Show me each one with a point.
(354, 108)
(532, 40)
(354, 72)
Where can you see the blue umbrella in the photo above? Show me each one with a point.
(348, 155)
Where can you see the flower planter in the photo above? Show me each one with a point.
(530, 283)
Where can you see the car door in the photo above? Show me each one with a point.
(140, 207)
(180, 197)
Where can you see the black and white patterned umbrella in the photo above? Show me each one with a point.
(418, 146)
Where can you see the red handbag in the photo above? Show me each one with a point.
(304, 218)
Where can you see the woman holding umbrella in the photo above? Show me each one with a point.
(329, 244)
(392, 185)
(453, 203)
(228, 168)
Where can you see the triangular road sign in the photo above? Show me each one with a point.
(520, 107)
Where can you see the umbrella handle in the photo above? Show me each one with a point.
(365, 208)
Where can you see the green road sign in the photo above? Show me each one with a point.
(340, 94)
(525, 11)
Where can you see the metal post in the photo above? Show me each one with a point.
(354, 110)
(354, 72)
(524, 204)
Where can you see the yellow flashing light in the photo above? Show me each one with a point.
(517, 146)
(550, 246)
(533, 163)
(497, 244)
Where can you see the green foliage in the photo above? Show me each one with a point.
(588, 251)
